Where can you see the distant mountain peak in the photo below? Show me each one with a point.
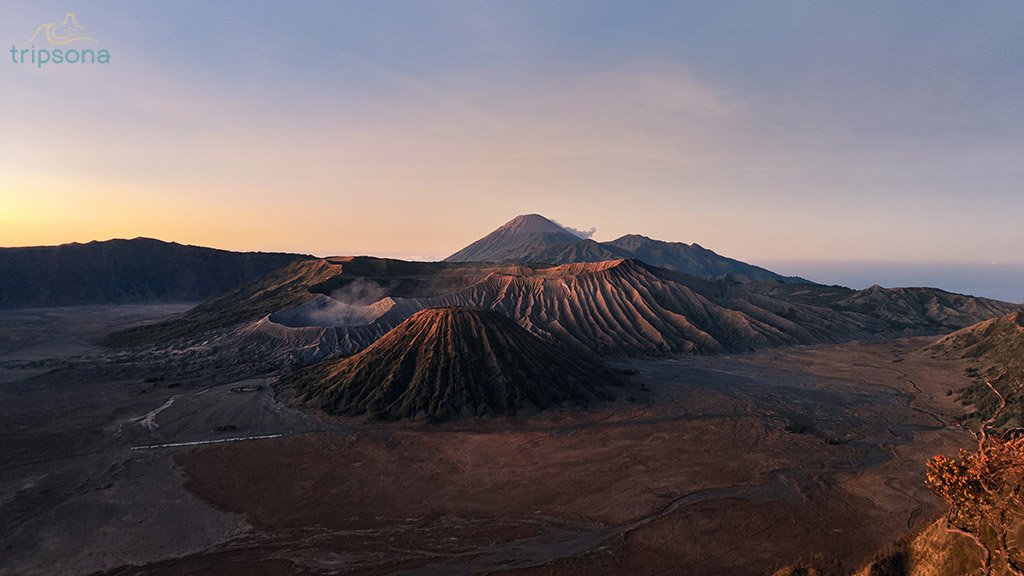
(634, 237)
(533, 224)
(525, 234)
(532, 238)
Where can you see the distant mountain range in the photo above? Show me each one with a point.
(534, 238)
(125, 271)
(630, 296)
(148, 270)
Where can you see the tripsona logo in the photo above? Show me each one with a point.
(67, 32)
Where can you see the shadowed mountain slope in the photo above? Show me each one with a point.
(284, 288)
(577, 251)
(126, 271)
(535, 239)
(693, 259)
(443, 363)
(901, 308)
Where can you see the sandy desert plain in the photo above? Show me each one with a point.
(727, 464)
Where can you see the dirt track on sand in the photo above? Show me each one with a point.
(727, 465)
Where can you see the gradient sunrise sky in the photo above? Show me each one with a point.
(795, 130)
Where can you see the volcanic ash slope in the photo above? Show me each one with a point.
(443, 363)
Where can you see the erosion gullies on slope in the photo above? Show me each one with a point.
(281, 289)
(278, 343)
(353, 279)
(443, 363)
(626, 307)
(620, 307)
(325, 308)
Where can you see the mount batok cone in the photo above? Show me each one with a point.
(444, 363)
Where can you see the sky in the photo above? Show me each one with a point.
(792, 131)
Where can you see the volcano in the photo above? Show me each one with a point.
(532, 238)
(444, 363)
(305, 313)
(520, 240)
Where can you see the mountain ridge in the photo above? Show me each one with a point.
(617, 307)
(126, 271)
(532, 238)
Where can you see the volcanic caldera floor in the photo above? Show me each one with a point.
(704, 465)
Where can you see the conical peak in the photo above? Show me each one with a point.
(532, 224)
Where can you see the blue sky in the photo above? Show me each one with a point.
(868, 131)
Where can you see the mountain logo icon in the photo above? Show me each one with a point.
(67, 32)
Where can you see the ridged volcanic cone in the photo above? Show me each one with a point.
(443, 363)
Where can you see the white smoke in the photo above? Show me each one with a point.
(358, 303)
(589, 233)
(359, 292)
